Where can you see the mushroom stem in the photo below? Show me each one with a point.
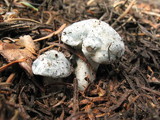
(85, 74)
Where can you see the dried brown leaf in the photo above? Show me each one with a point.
(4, 46)
(13, 52)
(27, 42)
(16, 54)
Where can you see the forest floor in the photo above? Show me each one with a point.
(128, 89)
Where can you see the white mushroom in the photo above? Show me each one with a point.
(84, 74)
(52, 64)
(99, 42)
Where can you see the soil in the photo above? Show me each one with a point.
(128, 89)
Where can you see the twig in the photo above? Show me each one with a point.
(89, 100)
(50, 35)
(5, 84)
(76, 116)
(10, 78)
(155, 26)
(16, 115)
(10, 5)
(120, 101)
(150, 90)
(50, 17)
(125, 12)
(11, 63)
(90, 2)
(75, 97)
(130, 82)
(151, 13)
(60, 102)
(144, 30)
(61, 116)
(7, 3)
(128, 20)
(44, 49)
(118, 3)
(22, 19)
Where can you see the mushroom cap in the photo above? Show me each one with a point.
(102, 52)
(74, 34)
(52, 64)
(98, 41)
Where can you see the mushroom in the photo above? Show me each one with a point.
(52, 64)
(98, 41)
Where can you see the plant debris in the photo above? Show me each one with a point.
(127, 89)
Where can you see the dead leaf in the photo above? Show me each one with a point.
(16, 54)
(27, 42)
(13, 52)
(4, 46)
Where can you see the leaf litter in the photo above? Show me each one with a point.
(26, 51)
(127, 89)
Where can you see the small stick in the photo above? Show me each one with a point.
(151, 13)
(128, 20)
(155, 26)
(9, 64)
(10, 5)
(52, 34)
(75, 97)
(125, 12)
(10, 78)
(118, 3)
(7, 3)
(60, 102)
(44, 49)
(50, 17)
(22, 19)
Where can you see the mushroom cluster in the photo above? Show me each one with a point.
(98, 41)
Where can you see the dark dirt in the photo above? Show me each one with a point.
(128, 89)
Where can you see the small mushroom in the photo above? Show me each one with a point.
(98, 41)
(52, 64)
